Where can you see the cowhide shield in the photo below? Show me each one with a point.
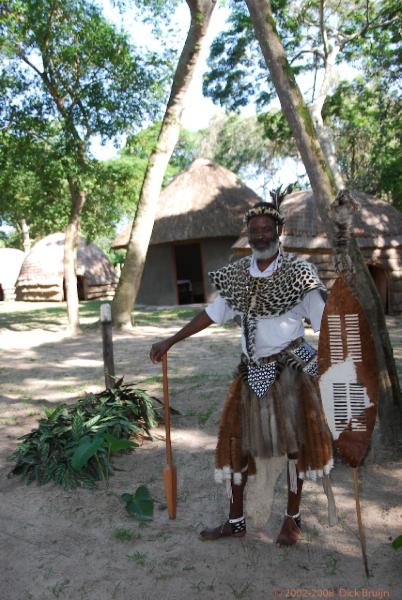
(348, 369)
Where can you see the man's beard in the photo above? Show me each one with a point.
(267, 253)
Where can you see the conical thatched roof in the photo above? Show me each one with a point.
(378, 224)
(10, 265)
(205, 200)
(43, 269)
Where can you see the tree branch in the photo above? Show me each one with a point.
(316, 51)
(323, 30)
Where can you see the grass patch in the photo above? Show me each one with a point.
(148, 380)
(8, 420)
(203, 415)
(138, 557)
(73, 389)
(126, 535)
(148, 317)
(20, 316)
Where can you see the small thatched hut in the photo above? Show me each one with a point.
(42, 275)
(10, 265)
(199, 217)
(377, 230)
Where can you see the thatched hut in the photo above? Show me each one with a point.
(42, 274)
(377, 230)
(199, 216)
(10, 265)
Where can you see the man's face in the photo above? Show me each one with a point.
(263, 236)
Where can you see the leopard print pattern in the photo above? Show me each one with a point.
(259, 297)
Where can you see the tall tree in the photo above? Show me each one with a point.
(130, 279)
(62, 62)
(316, 35)
(323, 184)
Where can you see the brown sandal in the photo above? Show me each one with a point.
(290, 531)
(231, 528)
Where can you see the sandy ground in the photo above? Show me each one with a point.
(57, 544)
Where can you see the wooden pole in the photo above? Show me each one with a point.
(107, 341)
(169, 474)
(359, 520)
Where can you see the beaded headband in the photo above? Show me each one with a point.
(263, 208)
(270, 209)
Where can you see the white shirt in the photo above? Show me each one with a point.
(273, 333)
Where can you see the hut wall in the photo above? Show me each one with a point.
(390, 260)
(158, 285)
(38, 292)
(216, 252)
(100, 292)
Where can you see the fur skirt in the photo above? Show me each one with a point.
(289, 419)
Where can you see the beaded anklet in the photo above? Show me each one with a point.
(237, 525)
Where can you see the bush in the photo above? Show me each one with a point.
(73, 445)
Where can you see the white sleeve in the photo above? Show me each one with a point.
(219, 311)
(313, 305)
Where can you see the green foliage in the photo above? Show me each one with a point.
(140, 505)
(89, 79)
(66, 76)
(32, 183)
(397, 543)
(367, 33)
(237, 72)
(367, 123)
(9, 239)
(72, 445)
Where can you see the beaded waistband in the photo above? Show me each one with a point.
(273, 357)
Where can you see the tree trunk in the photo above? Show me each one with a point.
(324, 188)
(26, 240)
(130, 279)
(316, 107)
(78, 198)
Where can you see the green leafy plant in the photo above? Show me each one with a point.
(397, 542)
(72, 445)
(139, 505)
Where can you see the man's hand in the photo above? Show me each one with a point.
(158, 350)
(198, 323)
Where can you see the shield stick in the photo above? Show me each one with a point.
(359, 520)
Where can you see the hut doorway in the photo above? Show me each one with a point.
(190, 284)
(380, 277)
(82, 288)
(1, 294)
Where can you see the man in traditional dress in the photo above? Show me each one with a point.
(273, 407)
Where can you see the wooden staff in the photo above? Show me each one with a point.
(169, 473)
(359, 520)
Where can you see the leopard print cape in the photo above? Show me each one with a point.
(264, 297)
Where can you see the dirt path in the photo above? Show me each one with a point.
(82, 545)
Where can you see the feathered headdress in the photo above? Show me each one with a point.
(272, 209)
